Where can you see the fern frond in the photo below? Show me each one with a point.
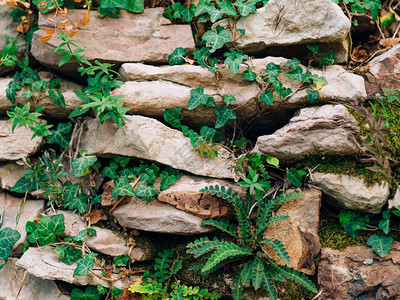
(237, 287)
(222, 192)
(257, 274)
(246, 273)
(295, 276)
(276, 219)
(269, 286)
(162, 264)
(228, 250)
(221, 224)
(244, 223)
(278, 248)
(283, 198)
(264, 213)
(204, 245)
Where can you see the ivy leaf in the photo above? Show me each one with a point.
(245, 8)
(81, 164)
(197, 98)
(249, 75)
(227, 8)
(110, 171)
(120, 261)
(49, 228)
(122, 188)
(313, 48)
(89, 294)
(79, 202)
(223, 115)
(293, 64)
(83, 265)
(8, 237)
(312, 96)
(177, 57)
(234, 59)
(215, 14)
(228, 99)
(216, 39)
(61, 136)
(294, 177)
(373, 6)
(146, 191)
(296, 74)
(67, 254)
(267, 97)
(57, 96)
(327, 58)
(167, 180)
(384, 224)
(273, 69)
(173, 117)
(380, 244)
(207, 132)
(203, 7)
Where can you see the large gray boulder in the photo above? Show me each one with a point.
(149, 139)
(285, 27)
(352, 192)
(158, 217)
(131, 37)
(329, 129)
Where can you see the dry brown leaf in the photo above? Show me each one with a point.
(95, 216)
(389, 42)
(45, 38)
(48, 31)
(189, 60)
(22, 28)
(85, 19)
(72, 32)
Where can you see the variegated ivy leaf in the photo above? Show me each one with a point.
(61, 136)
(177, 57)
(146, 191)
(380, 244)
(173, 117)
(122, 188)
(245, 8)
(81, 164)
(223, 115)
(312, 96)
(57, 96)
(234, 59)
(216, 39)
(84, 264)
(8, 237)
(46, 232)
(198, 97)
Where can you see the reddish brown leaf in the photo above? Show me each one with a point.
(45, 38)
(95, 216)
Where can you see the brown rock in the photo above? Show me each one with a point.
(106, 198)
(185, 195)
(384, 72)
(10, 173)
(359, 273)
(131, 37)
(299, 232)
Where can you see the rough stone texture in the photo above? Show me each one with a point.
(329, 129)
(158, 217)
(346, 275)
(352, 192)
(105, 241)
(17, 145)
(283, 26)
(16, 214)
(147, 138)
(383, 72)
(32, 287)
(299, 232)
(10, 173)
(7, 29)
(395, 202)
(150, 90)
(52, 109)
(185, 195)
(44, 263)
(131, 37)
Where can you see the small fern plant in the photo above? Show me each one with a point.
(159, 284)
(247, 243)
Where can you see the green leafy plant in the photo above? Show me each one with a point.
(8, 237)
(157, 284)
(7, 55)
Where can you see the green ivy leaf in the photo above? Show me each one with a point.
(197, 98)
(234, 59)
(373, 6)
(296, 74)
(173, 117)
(294, 177)
(57, 96)
(122, 188)
(120, 261)
(67, 254)
(146, 191)
(177, 57)
(216, 39)
(61, 136)
(312, 96)
(293, 64)
(84, 264)
(223, 115)
(81, 164)
(167, 180)
(8, 237)
(245, 8)
(267, 97)
(46, 232)
(313, 48)
(89, 294)
(380, 244)
(79, 202)
(328, 58)
(249, 75)
(384, 225)
(110, 171)
(226, 7)
(228, 99)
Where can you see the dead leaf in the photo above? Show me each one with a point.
(389, 42)
(95, 216)
(85, 19)
(48, 31)
(45, 38)
(189, 60)
(359, 54)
